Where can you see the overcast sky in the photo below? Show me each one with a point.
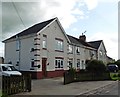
(98, 17)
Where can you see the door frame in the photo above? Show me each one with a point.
(44, 67)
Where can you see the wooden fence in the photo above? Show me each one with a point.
(16, 84)
(85, 76)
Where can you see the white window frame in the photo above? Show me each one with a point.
(59, 45)
(59, 63)
(70, 63)
(77, 50)
(70, 49)
(44, 44)
(78, 63)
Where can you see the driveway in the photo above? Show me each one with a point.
(54, 86)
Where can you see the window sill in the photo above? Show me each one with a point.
(70, 53)
(59, 51)
(44, 48)
(59, 69)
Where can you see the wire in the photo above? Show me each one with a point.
(18, 14)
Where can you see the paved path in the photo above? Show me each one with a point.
(54, 86)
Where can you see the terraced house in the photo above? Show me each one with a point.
(45, 50)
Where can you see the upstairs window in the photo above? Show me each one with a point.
(44, 43)
(77, 50)
(101, 53)
(17, 43)
(70, 49)
(58, 45)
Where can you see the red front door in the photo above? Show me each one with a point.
(44, 73)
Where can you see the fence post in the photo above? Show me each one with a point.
(29, 82)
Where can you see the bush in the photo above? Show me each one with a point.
(114, 75)
(96, 66)
(119, 75)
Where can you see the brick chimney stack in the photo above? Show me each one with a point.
(83, 37)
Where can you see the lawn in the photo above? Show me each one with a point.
(114, 76)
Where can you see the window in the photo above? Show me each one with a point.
(44, 44)
(59, 45)
(77, 50)
(78, 63)
(58, 63)
(70, 49)
(70, 63)
(91, 54)
(17, 43)
(32, 63)
(101, 53)
(83, 65)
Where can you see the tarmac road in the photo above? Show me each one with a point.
(111, 90)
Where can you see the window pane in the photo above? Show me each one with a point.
(59, 45)
(44, 44)
(77, 50)
(70, 49)
(61, 63)
(56, 64)
(78, 63)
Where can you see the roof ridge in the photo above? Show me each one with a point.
(96, 41)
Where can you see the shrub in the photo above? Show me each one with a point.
(72, 70)
(114, 75)
(119, 75)
(96, 66)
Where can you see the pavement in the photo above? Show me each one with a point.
(54, 86)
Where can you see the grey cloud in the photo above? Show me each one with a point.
(29, 13)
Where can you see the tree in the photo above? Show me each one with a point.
(96, 66)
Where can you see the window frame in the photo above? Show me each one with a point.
(78, 65)
(59, 63)
(70, 49)
(59, 45)
(70, 63)
(77, 50)
(44, 44)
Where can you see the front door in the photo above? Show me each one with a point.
(44, 60)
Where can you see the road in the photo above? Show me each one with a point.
(112, 90)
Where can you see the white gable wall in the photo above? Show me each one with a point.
(102, 53)
(53, 31)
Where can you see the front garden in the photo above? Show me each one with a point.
(95, 71)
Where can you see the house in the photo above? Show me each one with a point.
(101, 50)
(110, 60)
(80, 51)
(45, 50)
(40, 49)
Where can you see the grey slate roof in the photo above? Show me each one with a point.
(78, 41)
(34, 29)
(95, 44)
